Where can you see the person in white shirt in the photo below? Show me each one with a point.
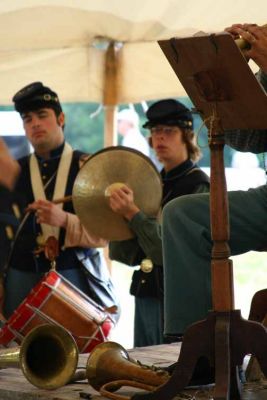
(128, 128)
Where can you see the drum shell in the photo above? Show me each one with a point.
(55, 300)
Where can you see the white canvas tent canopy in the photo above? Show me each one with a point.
(59, 42)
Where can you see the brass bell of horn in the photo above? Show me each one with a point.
(109, 362)
(48, 356)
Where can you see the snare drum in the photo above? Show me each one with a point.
(56, 300)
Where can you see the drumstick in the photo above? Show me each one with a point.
(56, 201)
(60, 200)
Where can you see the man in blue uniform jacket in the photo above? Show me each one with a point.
(46, 175)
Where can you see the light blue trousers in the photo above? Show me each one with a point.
(187, 248)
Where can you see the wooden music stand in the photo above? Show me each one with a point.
(224, 90)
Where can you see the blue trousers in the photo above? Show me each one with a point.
(148, 321)
(187, 249)
(18, 285)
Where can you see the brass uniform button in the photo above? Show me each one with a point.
(40, 240)
(9, 232)
(146, 265)
(16, 211)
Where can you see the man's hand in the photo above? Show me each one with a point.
(9, 168)
(49, 213)
(233, 30)
(121, 201)
(256, 37)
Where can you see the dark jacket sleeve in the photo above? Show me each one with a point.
(146, 244)
(8, 223)
(251, 140)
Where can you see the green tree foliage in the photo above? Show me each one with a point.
(84, 128)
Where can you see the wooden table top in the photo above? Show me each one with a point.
(13, 384)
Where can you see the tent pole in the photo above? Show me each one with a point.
(110, 100)
(110, 97)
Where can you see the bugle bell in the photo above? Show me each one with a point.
(109, 362)
(48, 356)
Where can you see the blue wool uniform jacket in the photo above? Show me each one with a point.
(23, 257)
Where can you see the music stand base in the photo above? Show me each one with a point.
(224, 338)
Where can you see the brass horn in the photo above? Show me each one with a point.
(48, 356)
(110, 366)
(242, 44)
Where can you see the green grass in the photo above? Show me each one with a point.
(250, 275)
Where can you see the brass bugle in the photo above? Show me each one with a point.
(48, 356)
(242, 44)
(110, 362)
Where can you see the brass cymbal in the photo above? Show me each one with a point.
(107, 168)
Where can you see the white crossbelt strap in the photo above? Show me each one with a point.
(60, 186)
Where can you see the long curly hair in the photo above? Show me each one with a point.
(189, 138)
